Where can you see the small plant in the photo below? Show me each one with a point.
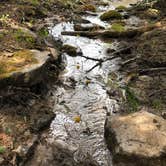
(43, 32)
(132, 101)
(111, 14)
(2, 149)
(4, 19)
(117, 27)
(22, 36)
(157, 104)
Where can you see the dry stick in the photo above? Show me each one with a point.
(104, 60)
(129, 61)
(157, 69)
(97, 64)
(118, 52)
(93, 59)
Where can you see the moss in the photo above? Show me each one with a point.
(157, 104)
(43, 32)
(118, 27)
(111, 14)
(2, 149)
(16, 62)
(24, 37)
(120, 8)
(132, 101)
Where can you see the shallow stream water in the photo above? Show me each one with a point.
(81, 102)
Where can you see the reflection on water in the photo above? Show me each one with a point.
(87, 99)
(83, 94)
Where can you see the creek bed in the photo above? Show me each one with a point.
(82, 102)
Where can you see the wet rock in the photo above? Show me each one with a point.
(57, 153)
(163, 115)
(71, 50)
(137, 139)
(87, 27)
(152, 13)
(41, 121)
(111, 14)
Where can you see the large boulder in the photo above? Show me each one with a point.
(138, 139)
(24, 68)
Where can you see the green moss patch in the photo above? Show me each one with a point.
(120, 8)
(117, 27)
(15, 63)
(111, 14)
(132, 101)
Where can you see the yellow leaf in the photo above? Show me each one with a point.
(77, 119)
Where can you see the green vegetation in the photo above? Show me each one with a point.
(157, 104)
(117, 27)
(120, 8)
(43, 32)
(111, 14)
(22, 36)
(132, 101)
(2, 149)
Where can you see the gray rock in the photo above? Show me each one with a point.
(30, 74)
(138, 139)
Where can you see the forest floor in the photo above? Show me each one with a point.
(24, 26)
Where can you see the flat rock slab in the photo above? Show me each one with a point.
(138, 139)
(29, 73)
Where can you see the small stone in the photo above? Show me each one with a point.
(163, 115)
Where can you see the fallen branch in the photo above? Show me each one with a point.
(93, 59)
(146, 71)
(97, 64)
(129, 61)
(110, 58)
(113, 34)
(120, 52)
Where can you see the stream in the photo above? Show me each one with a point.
(82, 102)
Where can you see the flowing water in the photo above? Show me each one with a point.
(81, 102)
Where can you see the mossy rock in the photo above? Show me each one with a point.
(120, 8)
(16, 62)
(25, 67)
(117, 27)
(111, 14)
(70, 50)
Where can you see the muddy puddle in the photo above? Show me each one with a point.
(81, 102)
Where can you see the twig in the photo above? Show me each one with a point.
(97, 64)
(118, 52)
(94, 59)
(145, 71)
(129, 61)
